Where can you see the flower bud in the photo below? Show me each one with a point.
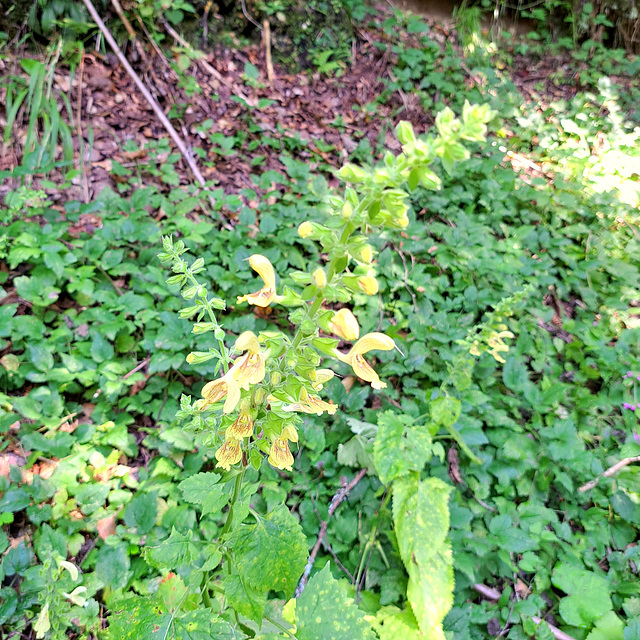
(258, 396)
(404, 132)
(369, 285)
(347, 212)
(345, 325)
(276, 378)
(352, 173)
(320, 278)
(366, 254)
(305, 229)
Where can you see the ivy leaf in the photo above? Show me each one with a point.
(271, 554)
(324, 611)
(203, 489)
(421, 513)
(399, 448)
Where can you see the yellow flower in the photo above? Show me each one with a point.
(279, 455)
(290, 433)
(305, 229)
(359, 365)
(241, 428)
(249, 368)
(215, 390)
(345, 325)
(267, 294)
(497, 345)
(311, 404)
(319, 377)
(369, 285)
(229, 453)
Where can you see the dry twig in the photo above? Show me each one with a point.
(267, 46)
(608, 473)
(337, 499)
(145, 92)
(494, 595)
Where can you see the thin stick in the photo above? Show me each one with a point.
(144, 363)
(145, 92)
(340, 495)
(494, 595)
(267, 46)
(203, 63)
(608, 473)
(83, 160)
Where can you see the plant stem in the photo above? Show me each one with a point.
(319, 299)
(281, 627)
(236, 494)
(205, 591)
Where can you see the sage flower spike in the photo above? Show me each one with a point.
(345, 325)
(267, 294)
(370, 342)
(215, 390)
(249, 368)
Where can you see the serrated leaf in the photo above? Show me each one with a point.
(203, 489)
(398, 447)
(609, 627)
(421, 518)
(392, 623)
(271, 554)
(112, 566)
(176, 550)
(445, 410)
(141, 512)
(324, 611)
(246, 600)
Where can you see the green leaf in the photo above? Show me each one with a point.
(445, 410)
(176, 550)
(271, 555)
(588, 597)
(141, 512)
(112, 566)
(399, 448)
(101, 349)
(15, 499)
(609, 627)
(203, 489)
(392, 623)
(324, 611)
(421, 518)
(246, 600)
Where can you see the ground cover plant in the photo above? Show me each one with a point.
(489, 490)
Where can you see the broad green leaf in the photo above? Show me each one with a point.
(588, 597)
(392, 623)
(112, 566)
(243, 597)
(421, 518)
(271, 554)
(203, 489)
(176, 550)
(399, 448)
(324, 611)
(445, 410)
(609, 627)
(141, 512)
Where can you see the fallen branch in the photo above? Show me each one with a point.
(494, 595)
(340, 495)
(145, 92)
(608, 473)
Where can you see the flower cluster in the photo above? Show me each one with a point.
(633, 388)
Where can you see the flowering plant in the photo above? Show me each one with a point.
(252, 410)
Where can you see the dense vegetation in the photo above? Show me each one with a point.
(512, 293)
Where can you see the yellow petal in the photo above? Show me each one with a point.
(290, 433)
(371, 342)
(345, 325)
(249, 369)
(264, 268)
(248, 341)
(279, 455)
(305, 229)
(214, 390)
(229, 453)
(241, 428)
(320, 377)
(366, 254)
(233, 396)
(262, 298)
(369, 285)
(365, 371)
(312, 404)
